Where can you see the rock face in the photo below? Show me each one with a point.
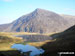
(39, 21)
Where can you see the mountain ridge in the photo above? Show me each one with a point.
(40, 21)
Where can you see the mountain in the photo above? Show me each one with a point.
(39, 21)
(3, 27)
(65, 42)
(70, 19)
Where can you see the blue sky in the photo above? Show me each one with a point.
(10, 10)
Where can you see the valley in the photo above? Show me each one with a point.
(7, 39)
(51, 47)
(41, 28)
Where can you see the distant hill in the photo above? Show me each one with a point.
(65, 42)
(3, 27)
(70, 19)
(40, 21)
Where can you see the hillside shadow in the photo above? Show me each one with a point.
(65, 42)
(10, 53)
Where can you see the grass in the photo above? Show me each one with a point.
(18, 33)
(6, 40)
(39, 44)
(65, 42)
(5, 46)
(49, 33)
(10, 53)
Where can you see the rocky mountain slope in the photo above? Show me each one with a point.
(70, 19)
(40, 21)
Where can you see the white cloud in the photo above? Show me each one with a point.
(69, 10)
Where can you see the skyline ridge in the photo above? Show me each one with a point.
(12, 9)
(38, 10)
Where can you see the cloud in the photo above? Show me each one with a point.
(69, 10)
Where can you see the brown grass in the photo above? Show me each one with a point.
(38, 44)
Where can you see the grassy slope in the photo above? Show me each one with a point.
(65, 41)
(6, 40)
(10, 53)
(39, 44)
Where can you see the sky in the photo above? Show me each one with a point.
(11, 10)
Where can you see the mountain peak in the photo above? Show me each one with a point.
(43, 11)
(39, 9)
(39, 21)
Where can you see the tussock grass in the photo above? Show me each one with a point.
(6, 40)
(39, 44)
(18, 33)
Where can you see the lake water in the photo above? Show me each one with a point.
(34, 38)
(27, 48)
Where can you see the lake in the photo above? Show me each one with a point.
(24, 49)
(34, 38)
